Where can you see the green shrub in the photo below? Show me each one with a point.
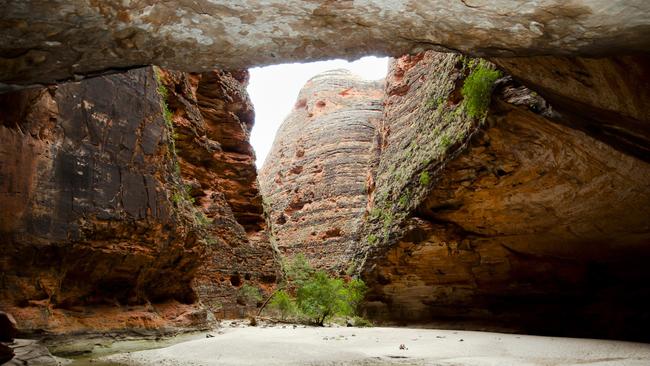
(445, 141)
(424, 178)
(298, 270)
(372, 239)
(318, 296)
(375, 213)
(358, 321)
(177, 197)
(164, 95)
(435, 102)
(283, 303)
(167, 114)
(477, 89)
(322, 297)
(388, 220)
(201, 219)
(249, 294)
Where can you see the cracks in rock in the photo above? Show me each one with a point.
(436, 46)
(469, 6)
(538, 256)
(457, 228)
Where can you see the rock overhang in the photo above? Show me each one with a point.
(65, 40)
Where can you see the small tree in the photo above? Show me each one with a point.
(283, 302)
(322, 297)
(298, 271)
(318, 296)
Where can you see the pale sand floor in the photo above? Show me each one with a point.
(380, 346)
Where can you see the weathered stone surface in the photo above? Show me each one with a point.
(44, 41)
(86, 180)
(98, 229)
(604, 97)
(212, 118)
(524, 223)
(31, 353)
(423, 126)
(314, 178)
(513, 222)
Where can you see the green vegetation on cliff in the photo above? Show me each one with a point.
(447, 105)
(477, 89)
(183, 203)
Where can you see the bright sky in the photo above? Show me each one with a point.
(274, 90)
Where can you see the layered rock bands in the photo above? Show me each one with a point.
(530, 216)
(99, 229)
(314, 178)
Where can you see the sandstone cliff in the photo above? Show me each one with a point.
(521, 216)
(98, 228)
(314, 179)
(212, 119)
(517, 221)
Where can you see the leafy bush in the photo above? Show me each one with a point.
(445, 141)
(167, 114)
(404, 200)
(477, 89)
(317, 295)
(283, 302)
(201, 219)
(298, 271)
(322, 297)
(358, 321)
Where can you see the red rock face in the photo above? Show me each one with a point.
(604, 97)
(524, 224)
(531, 218)
(212, 118)
(99, 231)
(86, 177)
(314, 177)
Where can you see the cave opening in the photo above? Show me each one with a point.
(440, 212)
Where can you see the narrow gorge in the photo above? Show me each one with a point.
(497, 179)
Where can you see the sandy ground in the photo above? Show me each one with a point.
(380, 346)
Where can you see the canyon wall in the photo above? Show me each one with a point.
(98, 227)
(518, 217)
(212, 118)
(314, 178)
(517, 220)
